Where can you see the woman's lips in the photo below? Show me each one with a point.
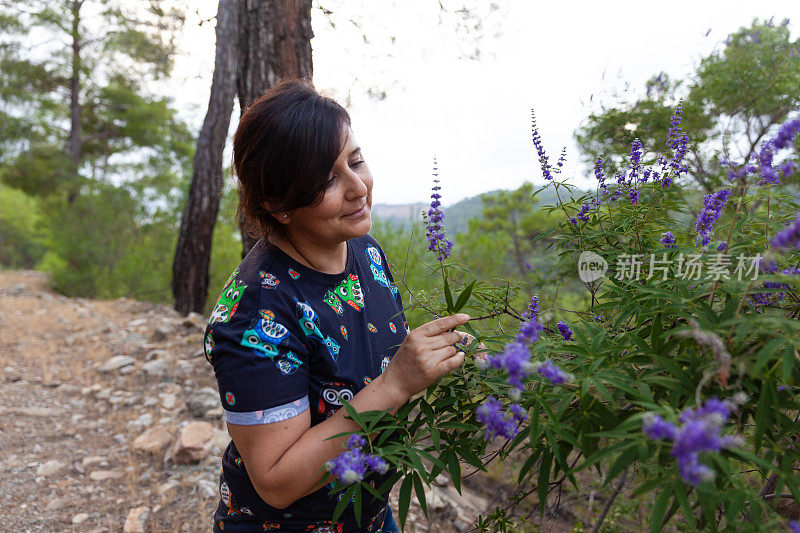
(358, 213)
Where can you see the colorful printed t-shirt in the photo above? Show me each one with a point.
(284, 338)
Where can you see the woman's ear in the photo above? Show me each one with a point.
(283, 217)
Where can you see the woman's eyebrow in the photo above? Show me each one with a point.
(355, 151)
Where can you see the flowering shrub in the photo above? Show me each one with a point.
(675, 388)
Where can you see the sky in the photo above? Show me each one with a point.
(561, 59)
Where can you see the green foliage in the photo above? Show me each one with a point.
(666, 344)
(22, 237)
(735, 96)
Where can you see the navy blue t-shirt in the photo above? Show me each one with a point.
(284, 338)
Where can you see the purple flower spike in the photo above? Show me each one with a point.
(497, 422)
(356, 441)
(537, 142)
(657, 428)
(437, 242)
(514, 359)
(789, 237)
(713, 204)
(599, 318)
(376, 464)
(552, 372)
(668, 239)
(564, 329)
(794, 526)
(349, 466)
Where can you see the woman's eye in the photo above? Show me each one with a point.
(357, 164)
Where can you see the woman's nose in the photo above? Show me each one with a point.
(358, 187)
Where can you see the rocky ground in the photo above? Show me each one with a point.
(110, 421)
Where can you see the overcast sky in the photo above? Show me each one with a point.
(474, 115)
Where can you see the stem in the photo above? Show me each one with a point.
(610, 501)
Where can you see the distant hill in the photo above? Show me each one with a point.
(457, 216)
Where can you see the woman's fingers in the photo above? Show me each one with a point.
(444, 324)
(446, 365)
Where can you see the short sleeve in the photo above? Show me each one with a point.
(261, 366)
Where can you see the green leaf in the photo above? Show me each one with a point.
(348, 493)
(543, 481)
(404, 499)
(420, 490)
(659, 510)
(454, 467)
(448, 296)
(357, 506)
(463, 297)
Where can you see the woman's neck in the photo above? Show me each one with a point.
(328, 259)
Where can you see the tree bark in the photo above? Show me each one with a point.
(274, 43)
(190, 268)
(74, 95)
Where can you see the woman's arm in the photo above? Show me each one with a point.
(284, 459)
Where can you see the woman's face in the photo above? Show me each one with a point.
(345, 211)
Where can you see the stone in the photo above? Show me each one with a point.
(118, 362)
(103, 475)
(93, 460)
(155, 368)
(153, 441)
(194, 320)
(193, 443)
(169, 400)
(156, 354)
(80, 518)
(201, 401)
(207, 488)
(143, 421)
(137, 520)
(219, 441)
(49, 468)
(161, 333)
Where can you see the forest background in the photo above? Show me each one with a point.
(94, 196)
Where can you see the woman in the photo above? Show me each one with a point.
(309, 318)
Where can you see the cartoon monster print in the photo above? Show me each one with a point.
(333, 393)
(326, 526)
(376, 266)
(349, 290)
(230, 399)
(310, 325)
(405, 326)
(294, 273)
(271, 526)
(367, 380)
(288, 364)
(384, 364)
(265, 337)
(371, 327)
(208, 345)
(332, 300)
(227, 302)
(392, 327)
(268, 280)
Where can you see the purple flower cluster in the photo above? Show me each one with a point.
(437, 242)
(678, 142)
(514, 359)
(599, 318)
(552, 372)
(635, 160)
(351, 465)
(537, 142)
(782, 139)
(564, 329)
(722, 246)
(794, 526)
(500, 423)
(668, 239)
(789, 236)
(761, 299)
(699, 432)
(712, 209)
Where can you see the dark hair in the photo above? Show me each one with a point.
(284, 149)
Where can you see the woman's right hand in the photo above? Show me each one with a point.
(426, 354)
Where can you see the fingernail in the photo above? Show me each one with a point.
(463, 316)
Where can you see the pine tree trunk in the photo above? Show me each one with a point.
(74, 94)
(274, 43)
(190, 268)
